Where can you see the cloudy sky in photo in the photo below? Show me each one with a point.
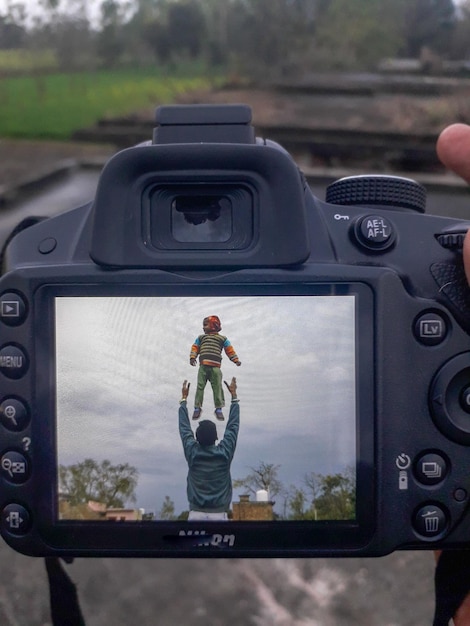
(121, 362)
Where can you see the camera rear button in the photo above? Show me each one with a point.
(465, 399)
(460, 494)
(13, 361)
(14, 414)
(430, 328)
(12, 309)
(14, 467)
(430, 521)
(375, 232)
(431, 468)
(48, 245)
(16, 519)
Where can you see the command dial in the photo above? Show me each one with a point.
(390, 191)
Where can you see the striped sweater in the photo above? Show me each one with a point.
(209, 348)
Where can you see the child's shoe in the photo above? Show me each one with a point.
(219, 415)
(197, 413)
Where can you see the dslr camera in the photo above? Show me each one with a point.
(351, 319)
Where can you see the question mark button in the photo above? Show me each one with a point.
(15, 467)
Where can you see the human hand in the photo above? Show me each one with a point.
(462, 617)
(449, 580)
(232, 387)
(453, 149)
(185, 390)
(193, 362)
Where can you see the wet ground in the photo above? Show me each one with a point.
(393, 591)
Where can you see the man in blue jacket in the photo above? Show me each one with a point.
(209, 483)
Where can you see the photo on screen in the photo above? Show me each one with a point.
(120, 364)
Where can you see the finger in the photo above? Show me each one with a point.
(466, 255)
(462, 617)
(453, 149)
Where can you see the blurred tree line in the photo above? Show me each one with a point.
(257, 38)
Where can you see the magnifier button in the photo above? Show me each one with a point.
(14, 467)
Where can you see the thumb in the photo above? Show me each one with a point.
(453, 149)
(466, 256)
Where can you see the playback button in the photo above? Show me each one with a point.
(13, 309)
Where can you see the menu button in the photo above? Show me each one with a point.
(13, 361)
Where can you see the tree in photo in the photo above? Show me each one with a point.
(332, 496)
(89, 480)
(297, 505)
(167, 511)
(263, 476)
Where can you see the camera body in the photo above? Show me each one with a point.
(351, 319)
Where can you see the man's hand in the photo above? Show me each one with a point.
(185, 390)
(453, 149)
(232, 387)
(193, 362)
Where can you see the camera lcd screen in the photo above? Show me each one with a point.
(120, 363)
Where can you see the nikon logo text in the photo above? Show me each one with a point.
(206, 539)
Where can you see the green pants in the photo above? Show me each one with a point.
(214, 376)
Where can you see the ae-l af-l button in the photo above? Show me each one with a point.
(375, 232)
(14, 362)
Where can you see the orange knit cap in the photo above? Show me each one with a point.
(214, 323)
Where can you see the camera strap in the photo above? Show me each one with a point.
(452, 584)
(65, 607)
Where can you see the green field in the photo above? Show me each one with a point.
(21, 61)
(54, 105)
